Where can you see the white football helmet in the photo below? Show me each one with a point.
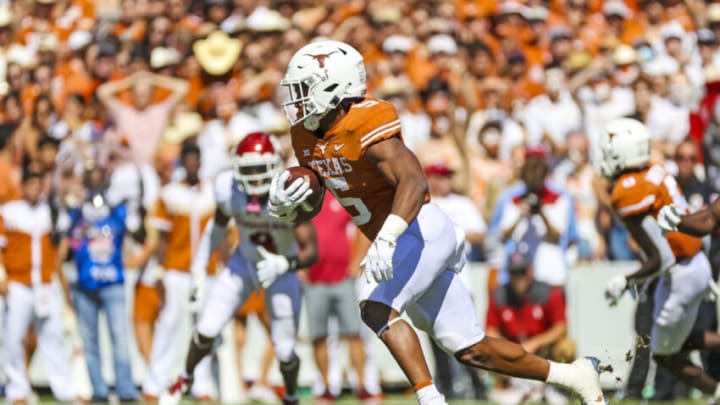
(319, 76)
(625, 144)
(255, 161)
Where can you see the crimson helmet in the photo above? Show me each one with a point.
(255, 160)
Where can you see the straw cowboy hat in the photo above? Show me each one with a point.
(217, 53)
(184, 125)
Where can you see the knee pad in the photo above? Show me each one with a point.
(375, 316)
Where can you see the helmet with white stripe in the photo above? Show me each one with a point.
(625, 144)
(319, 76)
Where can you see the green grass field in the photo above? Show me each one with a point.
(405, 400)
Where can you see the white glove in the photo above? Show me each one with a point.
(270, 267)
(284, 200)
(615, 288)
(378, 261)
(668, 218)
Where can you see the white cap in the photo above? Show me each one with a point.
(663, 65)
(624, 55)
(161, 57)
(672, 30)
(6, 16)
(21, 55)
(442, 43)
(713, 12)
(264, 20)
(397, 43)
(615, 7)
(79, 40)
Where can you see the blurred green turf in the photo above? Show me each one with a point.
(405, 400)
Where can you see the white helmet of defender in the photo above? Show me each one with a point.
(625, 144)
(319, 76)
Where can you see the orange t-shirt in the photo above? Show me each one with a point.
(182, 211)
(25, 241)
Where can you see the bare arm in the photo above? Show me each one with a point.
(648, 236)
(178, 87)
(402, 169)
(307, 245)
(62, 250)
(702, 222)
(107, 91)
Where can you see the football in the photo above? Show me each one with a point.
(313, 204)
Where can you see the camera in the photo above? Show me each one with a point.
(533, 201)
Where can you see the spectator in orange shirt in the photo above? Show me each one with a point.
(30, 260)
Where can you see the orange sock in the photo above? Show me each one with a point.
(422, 385)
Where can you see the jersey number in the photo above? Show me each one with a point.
(335, 184)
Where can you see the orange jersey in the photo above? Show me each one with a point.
(183, 211)
(339, 159)
(645, 192)
(28, 254)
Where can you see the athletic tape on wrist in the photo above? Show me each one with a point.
(393, 227)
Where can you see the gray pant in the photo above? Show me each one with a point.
(339, 300)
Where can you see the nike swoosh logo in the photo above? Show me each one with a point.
(338, 147)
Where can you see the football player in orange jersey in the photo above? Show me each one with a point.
(354, 144)
(639, 191)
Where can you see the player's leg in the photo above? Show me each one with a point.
(164, 345)
(422, 254)
(283, 299)
(677, 300)
(229, 290)
(226, 294)
(446, 311)
(18, 319)
(51, 342)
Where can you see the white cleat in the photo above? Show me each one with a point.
(263, 394)
(588, 381)
(173, 395)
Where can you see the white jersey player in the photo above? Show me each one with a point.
(267, 256)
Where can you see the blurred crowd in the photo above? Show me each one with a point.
(502, 101)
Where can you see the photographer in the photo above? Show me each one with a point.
(539, 215)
